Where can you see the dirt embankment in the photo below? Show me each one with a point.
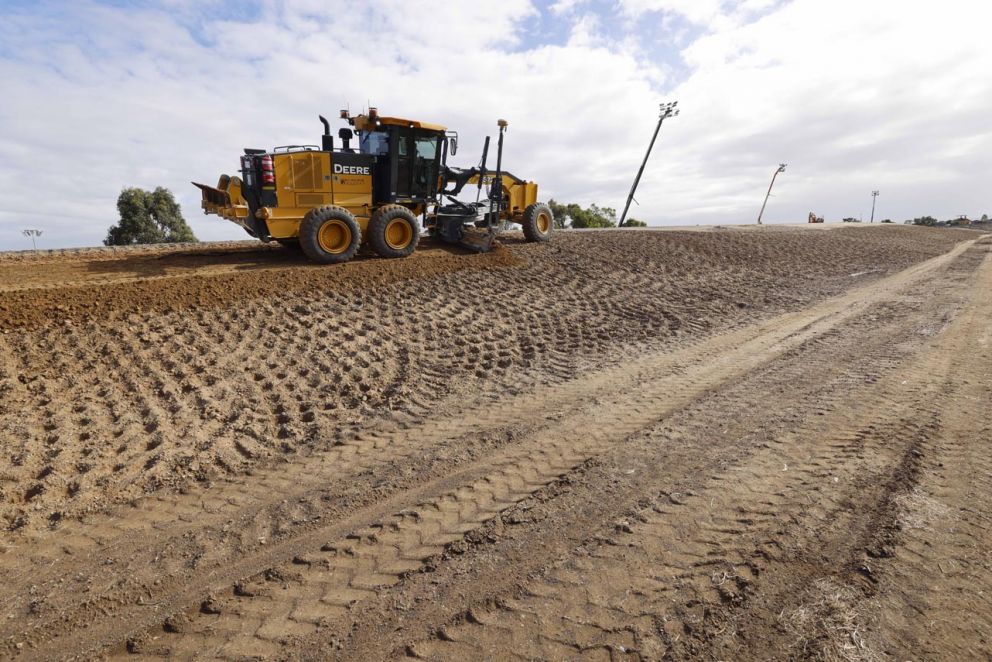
(459, 456)
(115, 390)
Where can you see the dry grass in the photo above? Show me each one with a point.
(828, 624)
(918, 510)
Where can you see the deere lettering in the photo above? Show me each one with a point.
(350, 170)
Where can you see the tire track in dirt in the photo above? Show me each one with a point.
(676, 580)
(933, 566)
(99, 544)
(542, 461)
(569, 513)
(127, 537)
(150, 337)
(204, 283)
(354, 344)
(627, 598)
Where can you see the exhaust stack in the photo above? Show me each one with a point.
(327, 140)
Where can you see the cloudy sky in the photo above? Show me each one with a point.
(854, 95)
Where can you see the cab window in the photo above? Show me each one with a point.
(427, 148)
(374, 142)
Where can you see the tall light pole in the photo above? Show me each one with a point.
(874, 194)
(667, 110)
(781, 168)
(32, 233)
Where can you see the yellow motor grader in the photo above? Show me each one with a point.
(397, 182)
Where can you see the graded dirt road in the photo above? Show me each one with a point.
(732, 444)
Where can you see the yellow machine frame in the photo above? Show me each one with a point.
(289, 189)
(312, 189)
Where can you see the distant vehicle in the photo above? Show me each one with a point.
(813, 218)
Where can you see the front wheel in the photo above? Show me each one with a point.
(330, 235)
(393, 231)
(538, 222)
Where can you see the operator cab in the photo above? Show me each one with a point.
(407, 156)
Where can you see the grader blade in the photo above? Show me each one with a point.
(478, 240)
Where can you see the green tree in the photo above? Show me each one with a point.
(560, 213)
(634, 223)
(593, 216)
(148, 217)
(925, 220)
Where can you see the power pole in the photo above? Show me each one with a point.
(874, 194)
(667, 110)
(781, 168)
(32, 233)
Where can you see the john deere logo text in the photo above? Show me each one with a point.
(350, 170)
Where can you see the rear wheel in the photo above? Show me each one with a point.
(330, 235)
(393, 231)
(538, 222)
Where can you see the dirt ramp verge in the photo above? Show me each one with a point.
(333, 565)
(177, 282)
(185, 379)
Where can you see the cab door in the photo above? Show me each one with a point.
(417, 155)
(426, 151)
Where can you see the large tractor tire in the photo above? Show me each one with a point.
(330, 235)
(393, 231)
(538, 222)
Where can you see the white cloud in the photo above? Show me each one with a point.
(564, 6)
(697, 11)
(855, 96)
(711, 14)
(893, 100)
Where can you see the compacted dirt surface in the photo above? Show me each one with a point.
(767, 443)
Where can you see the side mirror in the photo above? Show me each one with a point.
(452, 142)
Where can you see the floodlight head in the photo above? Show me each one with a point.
(668, 109)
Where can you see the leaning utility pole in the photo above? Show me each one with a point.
(781, 168)
(667, 110)
(874, 194)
